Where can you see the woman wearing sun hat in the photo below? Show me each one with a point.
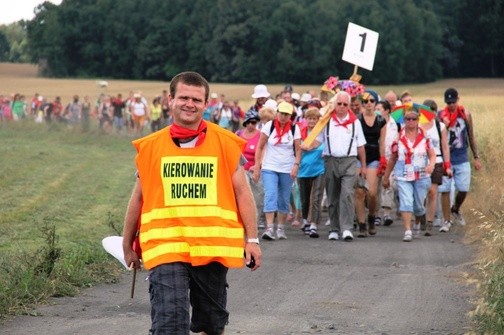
(277, 161)
(412, 159)
(261, 95)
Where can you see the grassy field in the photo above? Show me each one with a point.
(63, 191)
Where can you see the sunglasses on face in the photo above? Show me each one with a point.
(451, 102)
(366, 101)
(342, 104)
(253, 122)
(411, 118)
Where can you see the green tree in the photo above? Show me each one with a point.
(16, 35)
(4, 47)
(44, 40)
(269, 41)
(483, 50)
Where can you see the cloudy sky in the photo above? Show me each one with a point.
(15, 10)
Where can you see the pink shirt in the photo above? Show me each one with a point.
(250, 149)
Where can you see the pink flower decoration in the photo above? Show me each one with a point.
(354, 89)
(332, 82)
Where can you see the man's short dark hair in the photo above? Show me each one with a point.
(191, 79)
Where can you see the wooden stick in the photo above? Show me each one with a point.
(355, 77)
(319, 126)
(132, 267)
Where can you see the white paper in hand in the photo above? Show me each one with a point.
(113, 245)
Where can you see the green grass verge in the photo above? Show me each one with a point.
(62, 192)
(489, 312)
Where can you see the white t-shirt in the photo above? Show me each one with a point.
(138, 108)
(391, 136)
(435, 141)
(340, 138)
(279, 157)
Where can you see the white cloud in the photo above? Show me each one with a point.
(14, 10)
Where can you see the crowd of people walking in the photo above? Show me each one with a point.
(361, 165)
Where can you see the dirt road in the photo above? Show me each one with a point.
(377, 285)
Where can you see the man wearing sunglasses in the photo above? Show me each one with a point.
(459, 123)
(343, 142)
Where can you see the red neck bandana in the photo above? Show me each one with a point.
(409, 151)
(304, 132)
(178, 132)
(451, 118)
(281, 132)
(351, 119)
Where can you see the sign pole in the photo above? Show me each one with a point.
(355, 76)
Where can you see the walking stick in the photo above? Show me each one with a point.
(132, 267)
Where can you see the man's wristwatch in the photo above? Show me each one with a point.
(253, 240)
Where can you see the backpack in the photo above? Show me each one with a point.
(438, 127)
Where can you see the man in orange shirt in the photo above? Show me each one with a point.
(197, 214)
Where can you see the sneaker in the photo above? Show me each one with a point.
(428, 230)
(347, 236)
(416, 233)
(295, 223)
(416, 230)
(313, 233)
(281, 234)
(328, 222)
(333, 236)
(371, 225)
(306, 229)
(445, 227)
(261, 225)
(457, 217)
(362, 230)
(268, 235)
(387, 221)
(377, 221)
(438, 222)
(408, 236)
(423, 223)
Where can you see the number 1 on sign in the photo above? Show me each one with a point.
(363, 35)
(360, 46)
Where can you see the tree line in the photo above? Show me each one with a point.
(268, 41)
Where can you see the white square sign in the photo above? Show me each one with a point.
(360, 46)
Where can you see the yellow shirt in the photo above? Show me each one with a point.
(155, 112)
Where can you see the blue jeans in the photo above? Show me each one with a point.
(461, 177)
(277, 190)
(412, 195)
(118, 122)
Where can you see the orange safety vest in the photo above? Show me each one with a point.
(189, 211)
